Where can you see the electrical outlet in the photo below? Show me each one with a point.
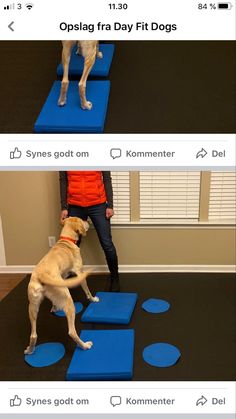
(51, 241)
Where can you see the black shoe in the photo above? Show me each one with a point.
(114, 285)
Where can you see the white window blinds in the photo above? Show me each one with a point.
(121, 197)
(222, 196)
(169, 195)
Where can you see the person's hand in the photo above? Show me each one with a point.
(64, 215)
(109, 213)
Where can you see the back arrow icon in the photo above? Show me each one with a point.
(10, 26)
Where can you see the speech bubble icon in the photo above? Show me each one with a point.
(115, 400)
(115, 153)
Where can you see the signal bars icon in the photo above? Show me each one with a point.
(9, 6)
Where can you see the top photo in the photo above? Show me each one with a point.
(117, 87)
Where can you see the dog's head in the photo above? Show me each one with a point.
(77, 225)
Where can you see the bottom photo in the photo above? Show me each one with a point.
(117, 276)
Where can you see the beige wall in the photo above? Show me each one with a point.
(30, 209)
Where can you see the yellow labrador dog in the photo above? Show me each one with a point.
(89, 50)
(47, 280)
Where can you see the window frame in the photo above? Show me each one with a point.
(202, 221)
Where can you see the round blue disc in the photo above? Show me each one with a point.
(161, 355)
(46, 354)
(78, 309)
(153, 305)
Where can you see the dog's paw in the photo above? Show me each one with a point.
(54, 309)
(99, 54)
(87, 345)
(61, 102)
(95, 299)
(87, 105)
(28, 351)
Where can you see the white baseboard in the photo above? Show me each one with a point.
(10, 269)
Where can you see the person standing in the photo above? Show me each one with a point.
(89, 194)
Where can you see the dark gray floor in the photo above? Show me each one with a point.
(201, 323)
(156, 86)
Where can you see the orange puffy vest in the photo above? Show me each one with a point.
(85, 188)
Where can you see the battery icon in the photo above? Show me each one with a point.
(225, 6)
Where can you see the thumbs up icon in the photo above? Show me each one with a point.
(16, 401)
(15, 154)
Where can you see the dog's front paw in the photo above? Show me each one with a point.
(61, 102)
(87, 345)
(95, 299)
(87, 105)
(99, 54)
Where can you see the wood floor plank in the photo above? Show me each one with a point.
(8, 282)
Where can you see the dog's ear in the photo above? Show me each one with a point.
(77, 225)
(81, 227)
(63, 221)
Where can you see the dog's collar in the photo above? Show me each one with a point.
(68, 238)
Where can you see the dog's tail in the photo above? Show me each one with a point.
(47, 279)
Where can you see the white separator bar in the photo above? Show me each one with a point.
(115, 151)
(117, 397)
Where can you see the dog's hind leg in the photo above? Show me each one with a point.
(69, 310)
(66, 53)
(89, 53)
(33, 314)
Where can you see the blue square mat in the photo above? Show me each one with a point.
(114, 308)
(101, 66)
(110, 358)
(71, 118)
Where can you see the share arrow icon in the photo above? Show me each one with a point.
(202, 153)
(201, 401)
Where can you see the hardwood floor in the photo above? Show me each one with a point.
(8, 282)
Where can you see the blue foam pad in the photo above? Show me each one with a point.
(154, 305)
(101, 66)
(114, 308)
(46, 354)
(161, 355)
(61, 313)
(110, 358)
(71, 118)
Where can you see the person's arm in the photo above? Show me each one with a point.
(63, 195)
(108, 188)
(109, 193)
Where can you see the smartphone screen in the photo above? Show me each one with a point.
(117, 209)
